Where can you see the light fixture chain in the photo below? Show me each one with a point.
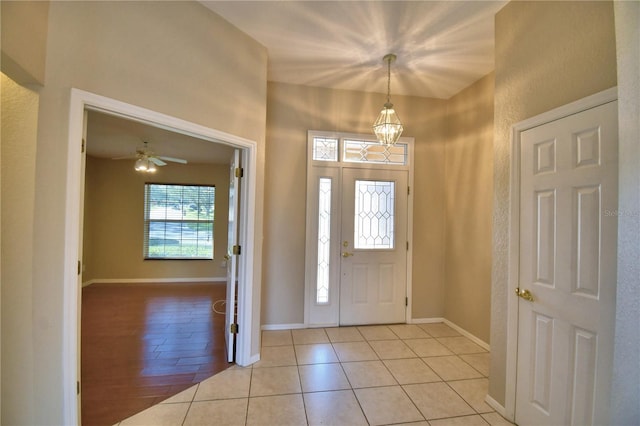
(389, 80)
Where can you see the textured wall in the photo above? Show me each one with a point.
(625, 409)
(17, 169)
(292, 110)
(547, 54)
(24, 40)
(469, 207)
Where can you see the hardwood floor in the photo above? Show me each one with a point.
(142, 343)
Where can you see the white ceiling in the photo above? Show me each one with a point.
(442, 46)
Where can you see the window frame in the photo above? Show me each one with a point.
(148, 221)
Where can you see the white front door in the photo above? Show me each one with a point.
(568, 231)
(373, 271)
(232, 255)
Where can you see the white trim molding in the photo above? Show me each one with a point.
(456, 327)
(249, 283)
(154, 280)
(270, 327)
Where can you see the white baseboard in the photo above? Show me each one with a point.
(456, 327)
(282, 326)
(153, 280)
(498, 407)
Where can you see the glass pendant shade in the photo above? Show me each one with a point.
(141, 165)
(387, 126)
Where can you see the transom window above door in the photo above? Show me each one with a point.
(349, 149)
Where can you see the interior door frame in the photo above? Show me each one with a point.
(513, 251)
(80, 101)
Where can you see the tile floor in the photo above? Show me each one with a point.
(426, 374)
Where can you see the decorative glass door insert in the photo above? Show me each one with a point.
(374, 214)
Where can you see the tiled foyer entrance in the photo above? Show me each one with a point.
(425, 374)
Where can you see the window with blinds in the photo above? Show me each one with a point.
(178, 221)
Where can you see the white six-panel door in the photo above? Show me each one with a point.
(568, 231)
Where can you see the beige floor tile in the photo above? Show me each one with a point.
(222, 412)
(408, 331)
(495, 419)
(392, 349)
(334, 408)
(474, 392)
(307, 336)
(231, 383)
(438, 329)
(461, 345)
(475, 420)
(437, 400)
(452, 368)
(275, 381)
(377, 332)
(281, 410)
(276, 356)
(478, 361)
(385, 405)
(276, 338)
(368, 374)
(344, 334)
(427, 347)
(160, 415)
(322, 377)
(354, 351)
(184, 396)
(319, 353)
(412, 370)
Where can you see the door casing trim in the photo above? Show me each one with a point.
(81, 100)
(513, 253)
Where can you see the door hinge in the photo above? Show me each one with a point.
(407, 245)
(82, 146)
(406, 301)
(79, 267)
(408, 190)
(237, 250)
(233, 328)
(77, 388)
(239, 172)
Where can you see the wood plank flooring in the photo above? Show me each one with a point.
(142, 343)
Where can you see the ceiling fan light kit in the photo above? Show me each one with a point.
(387, 126)
(147, 161)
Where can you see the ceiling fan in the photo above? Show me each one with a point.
(147, 160)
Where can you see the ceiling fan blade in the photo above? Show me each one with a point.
(157, 161)
(175, 160)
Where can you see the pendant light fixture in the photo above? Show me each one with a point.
(388, 127)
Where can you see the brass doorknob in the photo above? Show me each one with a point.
(227, 257)
(525, 294)
(346, 254)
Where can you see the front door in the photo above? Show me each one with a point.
(373, 270)
(568, 231)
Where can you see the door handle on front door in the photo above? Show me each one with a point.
(525, 294)
(346, 254)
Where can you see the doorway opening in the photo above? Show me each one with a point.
(81, 102)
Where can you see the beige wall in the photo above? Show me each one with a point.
(17, 175)
(177, 58)
(469, 208)
(292, 110)
(547, 54)
(24, 40)
(114, 220)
